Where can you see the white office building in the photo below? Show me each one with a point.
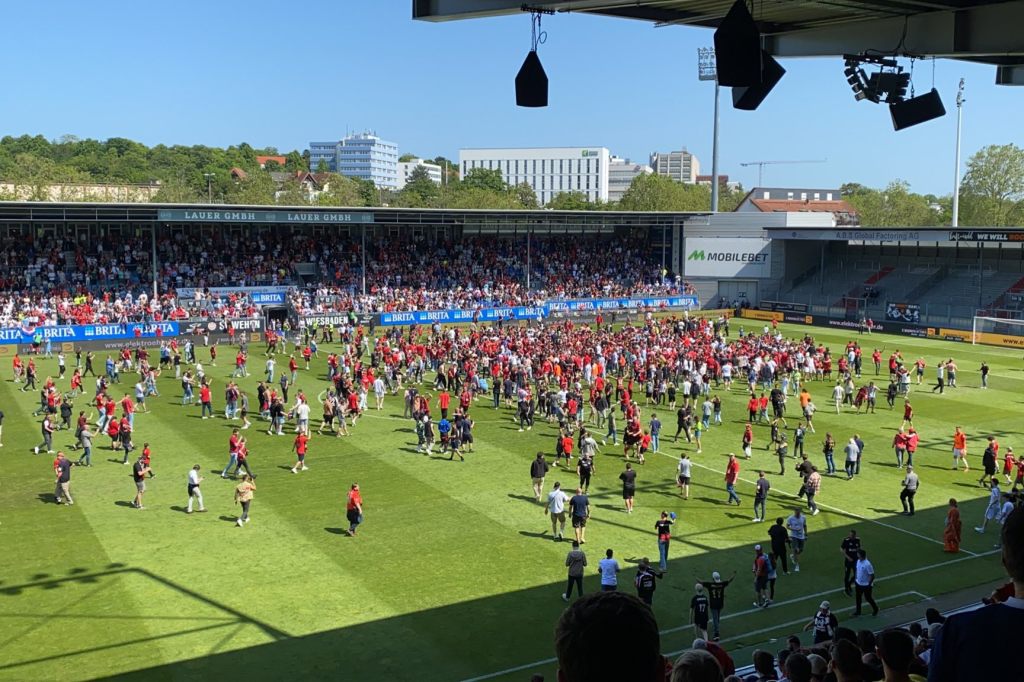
(621, 173)
(681, 166)
(405, 169)
(364, 156)
(548, 170)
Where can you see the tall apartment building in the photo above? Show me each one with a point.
(405, 169)
(621, 173)
(548, 170)
(363, 156)
(681, 166)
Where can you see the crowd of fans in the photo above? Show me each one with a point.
(109, 279)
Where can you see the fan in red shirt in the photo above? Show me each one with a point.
(353, 406)
(354, 509)
(444, 399)
(645, 445)
(204, 401)
(113, 429)
(300, 447)
(732, 473)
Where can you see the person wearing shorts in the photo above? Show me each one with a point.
(139, 471)
(796, 524)
(683, 477)
(556, 508)
(300, 446)
(628, 478)
(960, 449)
(579, 504)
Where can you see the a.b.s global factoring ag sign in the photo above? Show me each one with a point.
(742, 257)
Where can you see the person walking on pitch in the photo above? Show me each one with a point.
(194, 494)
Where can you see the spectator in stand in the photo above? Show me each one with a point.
(696, 665)
(720, 654)
(845, 662)
(608, 636)
(895, 649)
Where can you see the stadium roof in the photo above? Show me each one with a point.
(538, 220)
(978, 30)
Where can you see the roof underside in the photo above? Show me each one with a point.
(977, 30)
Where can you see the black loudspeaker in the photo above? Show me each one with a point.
(531, 83)
(917, 110)
(738, 48)
(750, 98)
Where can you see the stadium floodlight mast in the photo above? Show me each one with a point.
(209, 187)
(707, 70)
(956, 176)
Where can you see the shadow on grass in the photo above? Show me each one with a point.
(512, 619)
(337, 531)
(122, 503)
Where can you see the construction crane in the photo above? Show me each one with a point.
(761, 164)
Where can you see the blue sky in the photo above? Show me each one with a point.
(282, 74)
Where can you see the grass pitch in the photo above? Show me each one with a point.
(454, 574)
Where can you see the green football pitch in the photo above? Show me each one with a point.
(454, 574)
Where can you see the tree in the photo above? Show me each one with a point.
(419, 190)
(340, 191)
(292, 193)
(406, 158)
(650, 192)
(895, 206)
(729, 198)
(463, 196)
(177, 191)
(570, 201)
(993, 186)
(368, 192)
(524, 195)
(486, 179)
(257, 189)
(322, 167)
(449, 169)
(294, 161)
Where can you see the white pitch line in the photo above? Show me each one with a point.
(834, 509)
(894, 576)
(779, 626)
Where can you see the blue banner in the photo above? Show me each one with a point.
(582, 304)
(463, 316)
(533, 312)
(268, 297)
(90, 332)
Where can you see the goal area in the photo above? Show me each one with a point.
(986, 329)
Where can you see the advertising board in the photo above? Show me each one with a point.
(740, 257)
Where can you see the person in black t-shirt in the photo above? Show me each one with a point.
(716, 597)
(849, 548)
(824, 624)
(139, 471)
(780, 538)
(700, 607)
(579, 505)
(645, 581)
(62, 470)
(628, 478)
